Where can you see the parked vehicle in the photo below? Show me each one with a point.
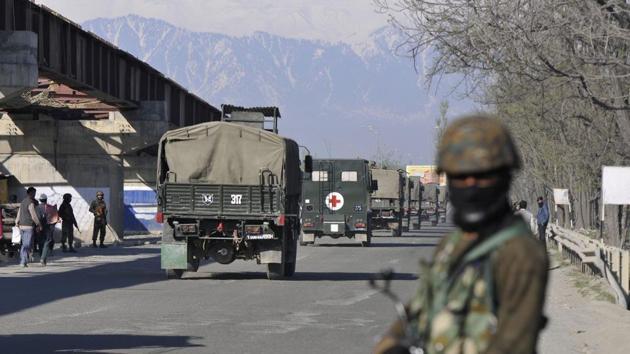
(7, 221)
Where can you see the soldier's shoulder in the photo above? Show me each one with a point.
(525, 250)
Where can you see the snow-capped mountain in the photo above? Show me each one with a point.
(335, 99)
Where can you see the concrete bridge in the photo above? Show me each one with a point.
(80, 115)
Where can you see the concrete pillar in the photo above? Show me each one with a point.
(625, 271)
(18, 63)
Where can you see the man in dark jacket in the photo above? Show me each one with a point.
(67, 222)
(542, 219)
(99, 209)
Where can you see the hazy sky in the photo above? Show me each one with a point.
(349, 21)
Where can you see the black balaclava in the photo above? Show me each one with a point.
(475, 208)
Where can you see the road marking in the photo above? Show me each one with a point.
(348, 300)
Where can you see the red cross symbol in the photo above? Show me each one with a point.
(333, 201)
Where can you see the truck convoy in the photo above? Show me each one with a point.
(387, 203)
(230, 190)
(336, 201)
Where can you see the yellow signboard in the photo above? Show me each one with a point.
(427, 174)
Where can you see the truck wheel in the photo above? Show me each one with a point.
(193, 264)
(275, 271)
(289, 269)
(369, 240)
(194, 257)
(174, 273)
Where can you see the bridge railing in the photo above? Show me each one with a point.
(595, 258)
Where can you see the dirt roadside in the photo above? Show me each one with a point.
(583, 317)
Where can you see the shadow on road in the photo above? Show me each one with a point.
(44, 287)
(345, 276)
(410, 245)
(299, 276)
(87, 343)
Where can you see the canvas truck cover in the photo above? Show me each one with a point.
(388, 184)
(228, 153)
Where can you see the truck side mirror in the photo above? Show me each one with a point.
(374, 185)
(308, 164)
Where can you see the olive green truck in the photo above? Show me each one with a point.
(229, 191)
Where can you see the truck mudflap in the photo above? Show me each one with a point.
(270, 256)
(174, 255)
(306, 237)
(361, 237)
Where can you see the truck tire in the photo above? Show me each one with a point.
(369, 238)
(289, 269)
(174, 273)
(194, 257)
(275, 271)
(193, 265)
(289, 266)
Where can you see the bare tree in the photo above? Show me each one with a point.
(556, 71)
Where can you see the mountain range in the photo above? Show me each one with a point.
(336, 99)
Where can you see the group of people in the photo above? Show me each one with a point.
(37, 221)
(537, 224)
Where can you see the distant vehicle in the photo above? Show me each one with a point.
(387, 203)
(7, 221)
(336, 201)
(230, 190)
(413, 195)
(434, 200)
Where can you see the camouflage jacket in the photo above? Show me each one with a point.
(455, 309)
(99, 209)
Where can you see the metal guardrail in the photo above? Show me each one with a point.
(595, 258)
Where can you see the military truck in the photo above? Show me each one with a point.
(387, 203)
(336, 201)
(229, 190)
(413, 196)
(434, 203)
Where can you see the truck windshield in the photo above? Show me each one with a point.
(349, 176)
(319, 176)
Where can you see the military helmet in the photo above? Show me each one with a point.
(476, 144)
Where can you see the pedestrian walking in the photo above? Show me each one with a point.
(49, 219)
(99, 209)
(484, 289)
(28, 221)
(527, 216)
(542, 219)
(68, 221)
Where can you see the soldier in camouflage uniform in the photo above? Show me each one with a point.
(484, 290)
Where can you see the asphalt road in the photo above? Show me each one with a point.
(117, 300)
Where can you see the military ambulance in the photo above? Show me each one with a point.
(387, 203)
(336, 201)
(230, 190)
